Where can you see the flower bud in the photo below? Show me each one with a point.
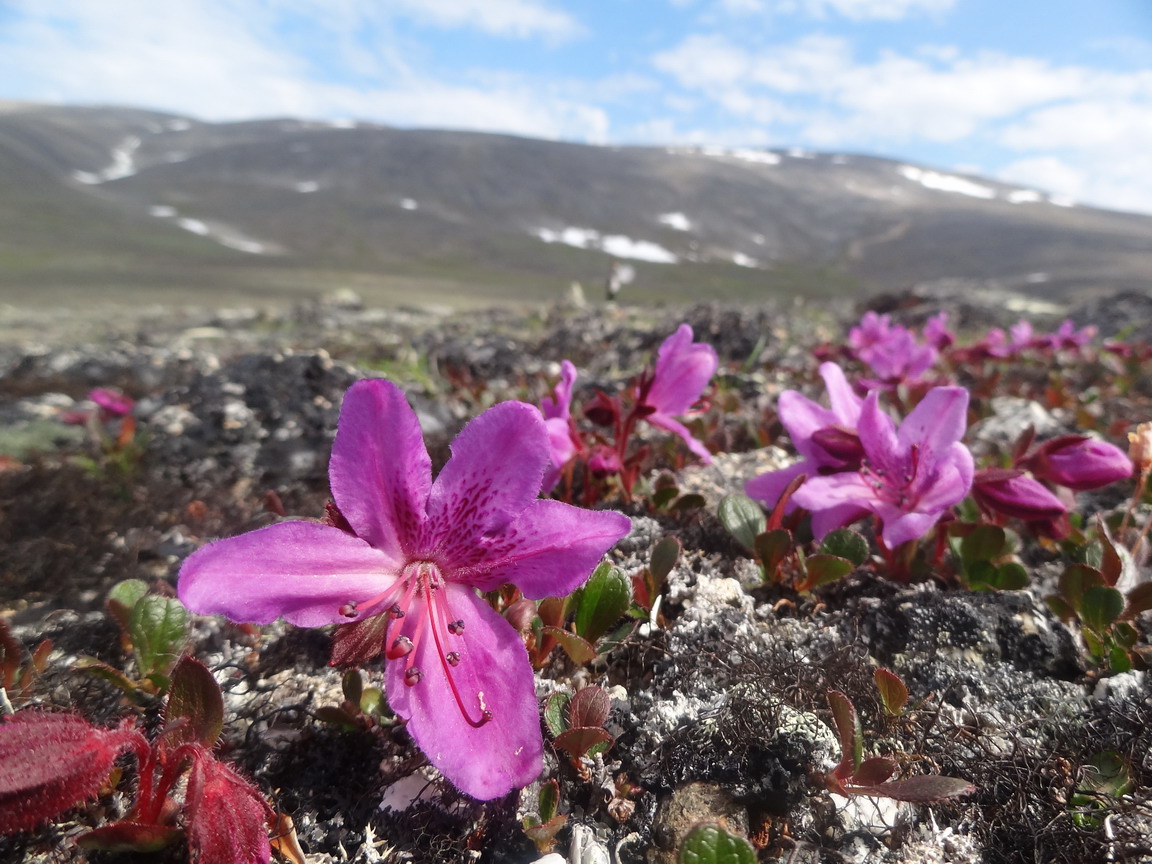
(1078, 462)
(1013, 493)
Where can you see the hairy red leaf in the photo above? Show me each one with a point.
(226, 817)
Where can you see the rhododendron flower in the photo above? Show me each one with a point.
(416, 555)
(936, 332)
(557, 411)
(112, 403)
(1067, 336)
(909, 477)
(683, 370)
(825, 437)
(1078, 462)
(891, 351)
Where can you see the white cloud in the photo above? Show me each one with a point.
(886, 10)
(520, 18)
(205, 58)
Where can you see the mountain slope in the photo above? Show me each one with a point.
(106, 196)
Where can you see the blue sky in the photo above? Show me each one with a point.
(1055, 94)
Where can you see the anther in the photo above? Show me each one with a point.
(412, 675)
(395, 611)
(348, 610)
(456, 627)
(453, 658)
(400, 648)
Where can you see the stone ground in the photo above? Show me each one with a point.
(718, 705)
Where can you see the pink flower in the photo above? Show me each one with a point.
(825, 437)
(891, 351)
(455, 670)
(1012, 492)
(908, 478)
(112, 403)
(557, 411)
(683, 370)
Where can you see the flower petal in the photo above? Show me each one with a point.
(843, 399)
(951, 482)
(938, 422)
(847, 487)
(803, 418)
(767, 488)
(908, 526)
(547, 552)
(559, 405)
(301, 571)
(831, 518)
(683, 370)
(497, 465)
(665, 421)
(494, 672)
(879, 440)
(380, 471)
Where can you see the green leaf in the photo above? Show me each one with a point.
(1060, 608)
(1119, 660)
(159, 628)
(97, 669)
(743, 518)
(661, 498)
(1100, 607)
(549, 800)
(982, 575)
(984, 543)
(1108, 774)
(822, 569)
(712, 844)
(1075, 580)
(603, 602)
(1011, 576)
(1093, 643)
(851, 735)
(665, 554)
(580, 650)
(691, 501)
(846, 543)
(352, 686)
(195, 697)
(893, 691)
(336, 715)
(555, 712)
(372, 702)
(122, 599)
(772, 547)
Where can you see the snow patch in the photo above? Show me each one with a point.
(614, 244)
(1024, 196)
(946, 182)
(759, 157)
(179, 125)
(797, 153)
(252, 247)
(162, 211)
(343, 124)
(1037, 278)
(742, 260)
(123, 164)
(307, 186)
(409, 204)
(193, 225)
(1061, 201)
(675, 220)
(176, 156)
(839, 160)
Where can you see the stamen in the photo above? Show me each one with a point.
(412, 675)
(456, 628)
(400, 648)
(448, 663)
(394, 611)
(348, 610)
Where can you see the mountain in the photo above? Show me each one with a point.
(145, 205)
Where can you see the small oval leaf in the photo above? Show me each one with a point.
(603, 601)
(743, 518)
(194, 696)
(712, 844)
(1100, 607)
(846, 543)
(893, 691)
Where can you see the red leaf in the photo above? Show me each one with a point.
(50, 762)
(226, 817)
(589, 707)
(925, 789)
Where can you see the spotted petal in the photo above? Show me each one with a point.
(547, 552)
(301, 571)
(493, 673)
(497, 465)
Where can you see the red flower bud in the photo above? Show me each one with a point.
(50, 762)
(225, 816)
(1013, 493)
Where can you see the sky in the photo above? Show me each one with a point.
(1051, 94)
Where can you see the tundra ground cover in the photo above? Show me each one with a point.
(695, 660)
